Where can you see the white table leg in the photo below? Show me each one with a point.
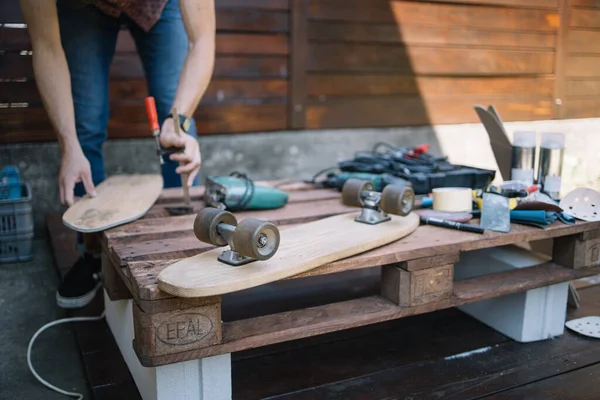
(204, 379)
(529, 316)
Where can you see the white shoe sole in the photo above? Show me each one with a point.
(77, 302)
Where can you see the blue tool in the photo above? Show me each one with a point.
(10, 183)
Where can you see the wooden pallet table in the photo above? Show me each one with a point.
(181, 347)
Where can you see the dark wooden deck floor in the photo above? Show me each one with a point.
(440, 355)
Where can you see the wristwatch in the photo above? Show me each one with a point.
(184, 122)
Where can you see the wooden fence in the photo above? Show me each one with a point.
(308, 64)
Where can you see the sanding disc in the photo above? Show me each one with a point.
(582, 203)
(588, 326)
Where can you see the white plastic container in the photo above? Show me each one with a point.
(523, 157)
(550, 164)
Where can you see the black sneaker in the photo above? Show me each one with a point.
(80, 284)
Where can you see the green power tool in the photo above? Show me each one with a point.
(238, 192)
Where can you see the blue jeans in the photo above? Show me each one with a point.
(89, 38)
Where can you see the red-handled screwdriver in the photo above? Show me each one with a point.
(153, 118)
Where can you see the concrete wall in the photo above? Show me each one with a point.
(303, 153)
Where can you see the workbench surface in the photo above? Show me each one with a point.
(138, 251)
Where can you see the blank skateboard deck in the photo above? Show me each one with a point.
(120, 199)
(301, 249)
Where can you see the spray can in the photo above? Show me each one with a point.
(523, 157)
(550, 163)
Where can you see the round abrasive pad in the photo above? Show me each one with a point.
(582, 203)
(588, 326)
(449, 216)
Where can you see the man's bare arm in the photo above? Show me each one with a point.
(199, 21)
(54, 84)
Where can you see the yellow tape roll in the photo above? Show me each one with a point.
(453, 199)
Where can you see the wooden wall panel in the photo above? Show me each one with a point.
(586, 3)
(320, 85)
(294, 64)
(582, 71)
(412, 110)
(426, 13)
(248, 92)
(387, 63)
(427, 35)
(427, 60)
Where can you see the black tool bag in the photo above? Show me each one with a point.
(422, 170)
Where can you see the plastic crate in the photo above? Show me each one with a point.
(15, 215)
(16, 248)
(16, 227)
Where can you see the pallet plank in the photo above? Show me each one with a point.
(275, 328)
(426, 241)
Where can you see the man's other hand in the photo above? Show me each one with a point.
(74, 168)
(190, 158)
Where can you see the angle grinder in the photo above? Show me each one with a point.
(238, 192)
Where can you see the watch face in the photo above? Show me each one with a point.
(185, 123)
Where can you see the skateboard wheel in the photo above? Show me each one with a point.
(352, 189)
(255, 238)
(206, 222)
(397, 200)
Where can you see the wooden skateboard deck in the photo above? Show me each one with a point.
(120, 199)
(301, 249)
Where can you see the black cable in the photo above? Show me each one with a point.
(248, 193)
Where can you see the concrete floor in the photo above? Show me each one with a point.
(27, 301)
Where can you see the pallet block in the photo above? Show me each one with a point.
(206, 378)
(529, 316)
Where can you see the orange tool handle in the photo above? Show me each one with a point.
(152, 115)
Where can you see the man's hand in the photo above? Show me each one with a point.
(190, 158)
(74, 168)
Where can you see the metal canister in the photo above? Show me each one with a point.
(523, 157)
(550, 164)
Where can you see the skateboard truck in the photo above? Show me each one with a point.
(250, 240)
(376, 206)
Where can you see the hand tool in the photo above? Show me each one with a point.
(186, 207)
(238, 192)
(451, 224)
(495, 212)
(177, 209)
(155, 127)
(501, 146)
